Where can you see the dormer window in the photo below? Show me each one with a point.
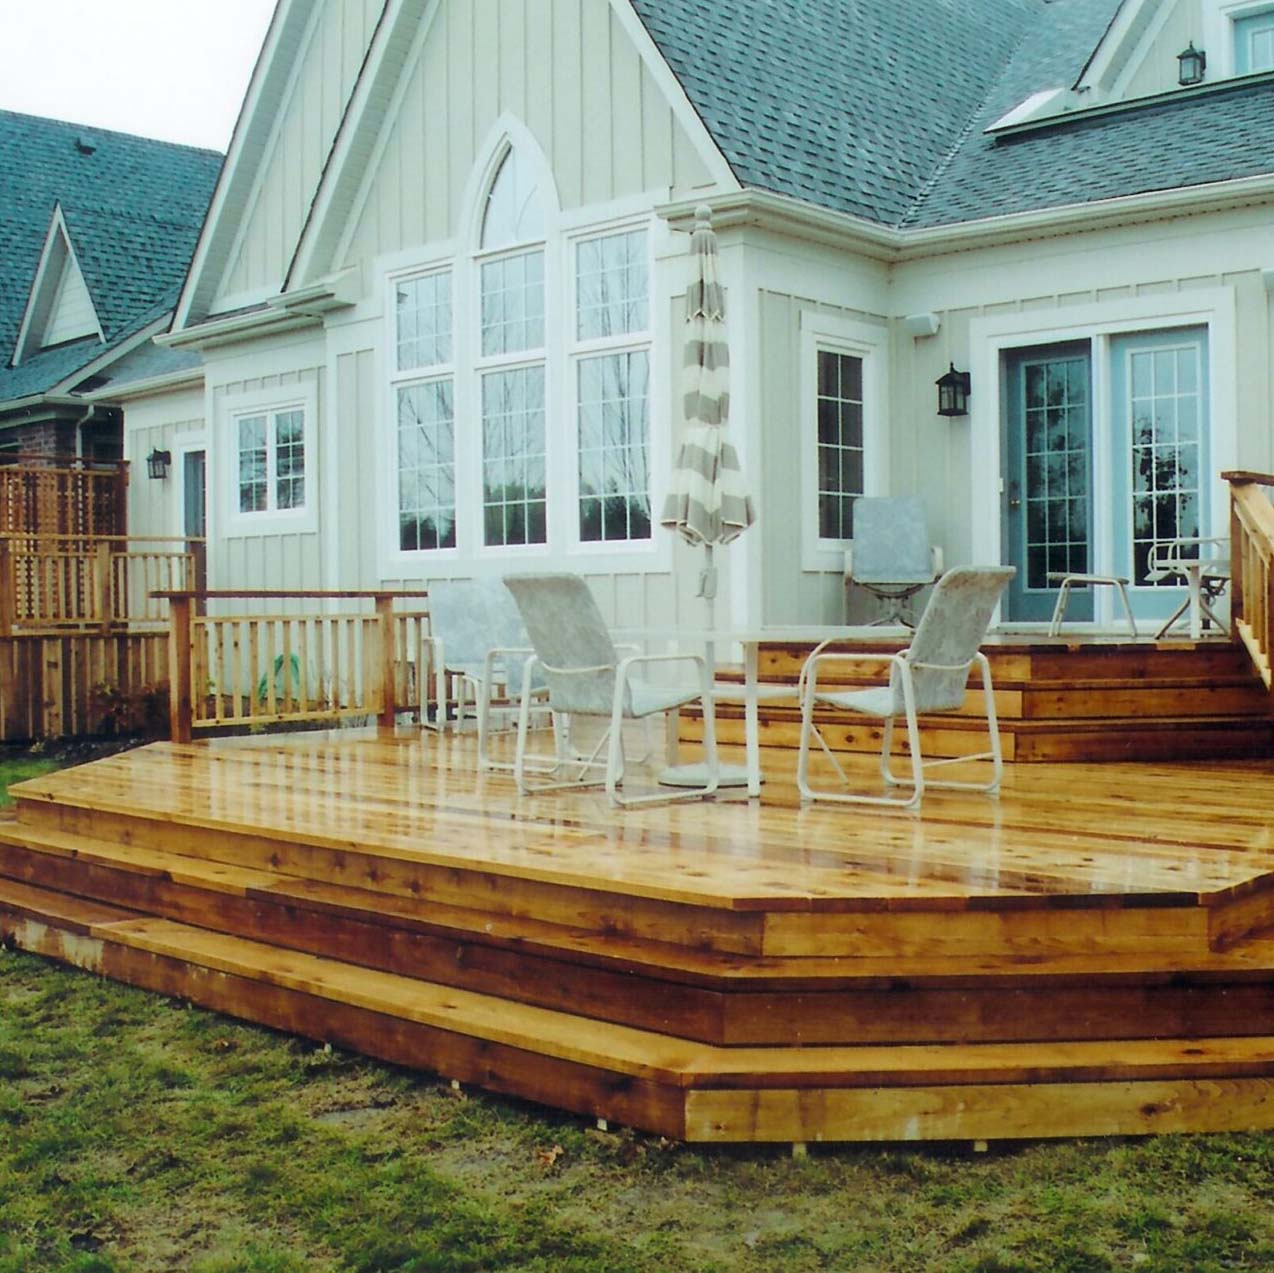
(1254, 43)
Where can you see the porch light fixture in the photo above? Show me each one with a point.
(1192, 64)
(157, 463)
(953, 392)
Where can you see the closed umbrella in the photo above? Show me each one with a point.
(708, 501)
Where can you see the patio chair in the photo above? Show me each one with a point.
(587, 676)
(1202, 563)
(929, 676)
(477, 637)
(891, 557)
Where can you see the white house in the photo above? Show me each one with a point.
(437, 294)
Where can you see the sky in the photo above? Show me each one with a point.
(172, 69)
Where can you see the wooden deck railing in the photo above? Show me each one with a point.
(251, 670)
(61, 495)
(1251, 555)
(59, 583)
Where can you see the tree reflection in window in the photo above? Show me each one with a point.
(514, 461)
(426, 466)
(614, 482)
(1164, 407)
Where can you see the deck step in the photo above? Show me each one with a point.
(667, 1085)
(690, 993)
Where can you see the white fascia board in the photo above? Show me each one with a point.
(675, 94)
(187, 378)
(236, 327)
(362, 135)
(255, 126)
(785, 215)
(56, 233)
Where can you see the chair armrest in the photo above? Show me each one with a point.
(817, 656)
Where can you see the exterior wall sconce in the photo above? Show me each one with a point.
(1192, 64)
(157, 463)
(953, 392)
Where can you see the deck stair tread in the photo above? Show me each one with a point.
(884, 874)
(665, 960)
(646, 1054)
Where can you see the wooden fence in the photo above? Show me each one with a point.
(253, 670)
(52, 583)
(1252, 579)
(55, 495)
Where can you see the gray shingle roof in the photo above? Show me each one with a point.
(133, 208)
(878, 108)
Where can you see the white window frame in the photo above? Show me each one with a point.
(577, 350)
(839, 335)
(405, 379)
(271, 520)
(1219, 35)
(562, 349)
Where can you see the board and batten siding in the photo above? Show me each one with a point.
(158, 423)
(567, 70)
(1158, 69)
(273, 558)
(336, 43)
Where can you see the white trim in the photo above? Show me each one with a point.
(990, 337)
(871, 344)
(109, 356)
(1219, 17)
(1110, 44)
(1136, 58)
(45, 290)
(675, 94)
(181, 446)
(223, 466)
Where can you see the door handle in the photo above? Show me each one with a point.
(1015, 495)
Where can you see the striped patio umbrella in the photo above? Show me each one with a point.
(708, 501)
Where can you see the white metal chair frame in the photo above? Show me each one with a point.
(612, 738)
(902, 668)
(1206, 578)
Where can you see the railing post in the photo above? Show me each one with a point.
(388, 661)
(180, 707)
(1237, 550)
(103, 592)
(8, 593)
(198, 551)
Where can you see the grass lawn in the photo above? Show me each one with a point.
(137, 1132)
(18, 769)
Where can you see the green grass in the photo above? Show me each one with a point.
(139, 1133)
(18, 769)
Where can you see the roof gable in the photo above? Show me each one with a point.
(59, 308)
(129, 209)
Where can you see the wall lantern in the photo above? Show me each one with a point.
(1193, 62)
(157, 463)
(953, 392)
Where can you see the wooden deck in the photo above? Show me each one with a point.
(1090, 953)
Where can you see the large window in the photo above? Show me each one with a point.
(521, 374)
(271, 453)
(425, 412)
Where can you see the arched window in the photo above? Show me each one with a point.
(512, 359)
(521, 378)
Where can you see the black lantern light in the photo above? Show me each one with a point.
(157, 463)
(953, 392)
(1193, 62)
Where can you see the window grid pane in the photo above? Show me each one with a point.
(423, 318)
(1164, 409)
(611, 286)
(1055, 413)
(513, 304)
(840, 442)
(514, 459)
(614, 416)
(289, 459)
(254, 484)
(426, 466)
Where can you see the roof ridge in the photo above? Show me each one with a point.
(73, 125)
